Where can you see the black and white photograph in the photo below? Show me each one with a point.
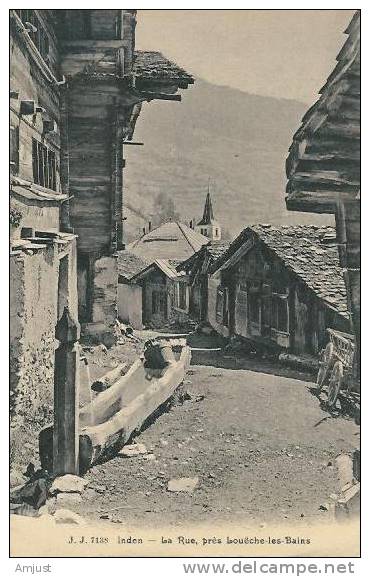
(184, 282)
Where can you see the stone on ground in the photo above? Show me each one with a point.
(133, 450)
(68, 500)
(68, 484)
(187, 484)
(17, 479)
(67, 517)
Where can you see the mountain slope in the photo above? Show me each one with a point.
(238, 140)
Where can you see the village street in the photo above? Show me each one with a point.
(260, 444)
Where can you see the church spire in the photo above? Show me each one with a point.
(208, 211)
(208, 226)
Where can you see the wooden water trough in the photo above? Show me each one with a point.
(108, 422)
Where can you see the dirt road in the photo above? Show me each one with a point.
(261, 445)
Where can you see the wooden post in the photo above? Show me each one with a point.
(66, 394)
(65, 218)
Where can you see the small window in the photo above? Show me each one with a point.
(40, 37)
(181, 295)
(280, 313)
(255, 308)
(43, 43)
(14, 149)
(44, 165)
(159, 303)
(222, 307)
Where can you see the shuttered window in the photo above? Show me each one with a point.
(222, 306)
(280, 312)
(241, 311)
(181, 301)
(43, 165)
(39, 37)
(14, 149)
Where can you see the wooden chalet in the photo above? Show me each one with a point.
(323, 166)
(280, 288)
(197, 268)
(78, 86)
(165, 294)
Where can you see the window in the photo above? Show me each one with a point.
(241, 311)
(222, 306)
(44, 165)
(159, 303)
(14, 149)
(254, 301)
(43, 43)
(181, 300)
(280, 312)
(40, 37)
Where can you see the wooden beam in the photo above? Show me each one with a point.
(132, 143)
(160, 96)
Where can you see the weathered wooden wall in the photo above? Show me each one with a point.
(348, 225)
(27, 78)
(90, 168)
(213, 285)
(308, 317)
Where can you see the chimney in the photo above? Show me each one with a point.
(143, 230)
(149, 226)
(191, 223)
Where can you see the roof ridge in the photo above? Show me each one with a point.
(180, 225)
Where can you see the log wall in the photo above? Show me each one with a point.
(29, 81)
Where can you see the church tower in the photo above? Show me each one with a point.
(208, 226)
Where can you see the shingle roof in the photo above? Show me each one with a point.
(129, 264)
(149, 65)
(166, 266)
(214, 249)
(172, 240)
(303, 250)
(324, 158)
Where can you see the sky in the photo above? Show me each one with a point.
(279, 53)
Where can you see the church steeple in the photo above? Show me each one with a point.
(208, 226)
(208, 211)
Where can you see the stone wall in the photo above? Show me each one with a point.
(33, 315)
(104, 302)
(36, 214)
(32, 320)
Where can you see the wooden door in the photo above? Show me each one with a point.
(241, 311)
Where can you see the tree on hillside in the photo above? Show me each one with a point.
(164, 209)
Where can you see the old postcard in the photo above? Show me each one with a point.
(184, 283)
